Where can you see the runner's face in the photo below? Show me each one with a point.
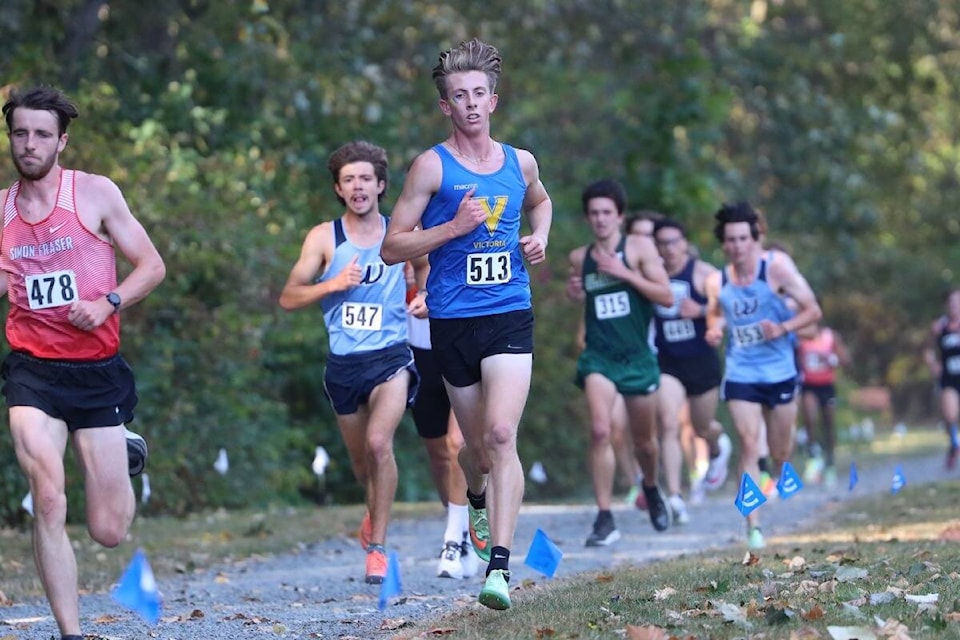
(469, 100)
(603, 217)
(672, 246)
(35, 142)
(738, 243)
(359, 186)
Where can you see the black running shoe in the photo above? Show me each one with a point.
(136, 452)
(657, 506)
(604, 532)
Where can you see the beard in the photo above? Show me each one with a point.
(34, 171)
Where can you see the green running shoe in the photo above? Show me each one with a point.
(755, 539)
(480, 532)
(496, 592)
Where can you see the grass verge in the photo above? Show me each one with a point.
(881, 567)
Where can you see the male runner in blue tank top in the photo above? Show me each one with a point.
(689, 367)
(370, 377)
(468, 194)
(622, 277)
(745, 299)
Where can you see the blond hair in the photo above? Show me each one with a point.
(467, 56)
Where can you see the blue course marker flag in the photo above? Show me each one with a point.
(853, 476)
(543, 556)
(899, 480)
(789, 482)
(137, 589)
(749, 496)
(391, 585)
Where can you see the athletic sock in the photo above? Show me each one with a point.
(477, 502)
(457, 522)
(73, 637)
(499, 559)
(764, 465)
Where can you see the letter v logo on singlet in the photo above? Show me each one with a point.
(494, 211)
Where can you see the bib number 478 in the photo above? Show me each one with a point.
(54, 289)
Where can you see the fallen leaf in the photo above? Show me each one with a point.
(813, 614)
(392, 624)
(663, 594)
(851, 633)
(797, 563)
(441, 631)
(750, 559)
(544, 633)
(951, 533)
(849, 574)
(928, 598)
(805, 633)
(733, 613)
(646, 633)
(605, 577)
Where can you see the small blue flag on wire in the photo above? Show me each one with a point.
(853, 476)
(789, 482)
(391, 585)
(543, 555)
(899, 480)
(138, 590)
(749, 496)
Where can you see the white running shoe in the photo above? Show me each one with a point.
(468, 558)
(678, 509)
(450, 565)
(717, 471)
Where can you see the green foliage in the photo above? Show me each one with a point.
(216, 119)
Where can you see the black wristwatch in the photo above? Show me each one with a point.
(114, 299)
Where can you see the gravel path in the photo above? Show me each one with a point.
(319, 592)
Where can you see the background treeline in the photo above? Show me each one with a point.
(216, 118)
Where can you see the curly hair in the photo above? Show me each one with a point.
(359, 151)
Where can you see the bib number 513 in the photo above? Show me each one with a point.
(488, 268)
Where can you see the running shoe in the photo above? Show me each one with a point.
(657, 506)
(768, 485)
(631, 497)
(952, 454)
(450, 565)
(755, 539)
(496, 592)
(716, 473)
(136, 452)
(604, 532)
(678, 510)
(813, 470)
(698, 493)
(480, 532)
(468, 557)
(830, 477)
(366, 531)
(376, 564)
(640, 502)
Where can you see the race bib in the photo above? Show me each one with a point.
(612, 305)
(747, 336)
(679, 330)
(488, 268)
(363, 316)
(953, 365)
(54, 289)
(815, 362)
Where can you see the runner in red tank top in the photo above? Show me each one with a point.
(820, 352)
(64, 377)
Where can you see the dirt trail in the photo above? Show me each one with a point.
(319, 592)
